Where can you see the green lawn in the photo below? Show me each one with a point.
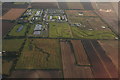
(12, 44)
(59, 30)
(40, 54)
(14, 31)
(86, 34)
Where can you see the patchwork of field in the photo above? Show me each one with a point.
(34, 47)
(95, 63)
(13, 14)
(19, 30)
(12, 45)
(59, 30)
(40, 54)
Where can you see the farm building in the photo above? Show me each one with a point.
(20, 28)
(38, 27)
(36, 32)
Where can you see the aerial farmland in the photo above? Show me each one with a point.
(59, 40)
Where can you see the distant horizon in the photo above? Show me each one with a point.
(60, 0)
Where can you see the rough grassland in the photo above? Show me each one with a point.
(58, 30)
(86, 34)
(40, 54)
(12, 44)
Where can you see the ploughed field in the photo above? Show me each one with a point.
(13, 14)
(6, 27)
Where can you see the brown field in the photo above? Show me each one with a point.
(6, 27)
(63, 5)
(69, 68)
(13, 14)
(5, 10)
(74, 5)
(12, 5)
(111, 48)
(80, 54)
(36, 74)
(44, 5)
(102, 66)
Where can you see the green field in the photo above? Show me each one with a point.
(14, 31)
(12, 44)
(40, 54)
(86, 34)
(59, 30)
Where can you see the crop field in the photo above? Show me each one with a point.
(19, 30)
(12, 44)
(43, 33)
(86, 34)
(59, 30)
(6, 27)
(40, 54)
(13, 14)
